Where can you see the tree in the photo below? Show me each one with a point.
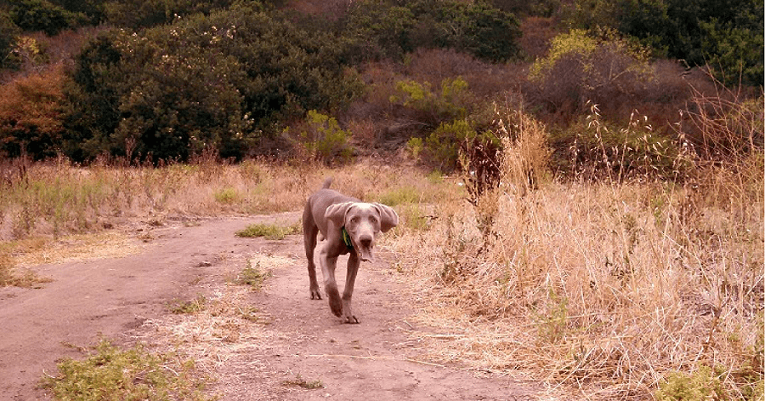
(9, 33)
(30, 122)
(726, 35)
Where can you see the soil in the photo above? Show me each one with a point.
(123, 299)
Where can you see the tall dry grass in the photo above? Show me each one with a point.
(616, 287)
(42, 202)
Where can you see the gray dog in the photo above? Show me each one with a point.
(350, 227)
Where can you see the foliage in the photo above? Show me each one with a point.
(379, 29)
(448, 104)
(541, 8)
(727, 36)
(136, 14)
(133, 374)
(30, 122)
(9, 34)
(323, 140)
(42, 15)
(218, 82)
(580, 67)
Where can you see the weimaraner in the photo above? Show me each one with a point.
(350, 227)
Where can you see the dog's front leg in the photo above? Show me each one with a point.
(350, 279)
(328, 264)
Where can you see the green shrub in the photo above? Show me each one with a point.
(447, 105)
(222, 82)
(381, 29)
(42, 15)
(138, 14)
(323, 140)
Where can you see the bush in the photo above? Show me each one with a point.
(579, 67)
(434, 108)
(221, 82)
(30, 120)
(381, 29)
(137, 14)
(42, 15)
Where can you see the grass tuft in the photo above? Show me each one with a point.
(270, 231)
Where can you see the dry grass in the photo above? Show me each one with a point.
(605, 287)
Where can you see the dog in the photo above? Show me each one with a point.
(350, 227)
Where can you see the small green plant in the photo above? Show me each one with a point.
(133, 374)
(252, 276)
(701, 385)
(227, 195)
(414, 146)
(182, 307)
(552, 322)
(270, 231)
(299, 381)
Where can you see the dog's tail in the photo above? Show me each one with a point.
(327, 183)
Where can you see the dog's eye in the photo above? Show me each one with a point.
(355, 220)
(373, 220)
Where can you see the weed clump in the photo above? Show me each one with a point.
(133, 374)
(252, 276)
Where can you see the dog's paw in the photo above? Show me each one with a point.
(336, 306)
(315, 294)
(351, 320)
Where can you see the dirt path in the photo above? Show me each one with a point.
(124, 298)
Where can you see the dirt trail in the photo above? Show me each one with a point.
(115, 298)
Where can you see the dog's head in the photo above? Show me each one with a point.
(362, 221)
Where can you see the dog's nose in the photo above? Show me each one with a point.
(365, 241)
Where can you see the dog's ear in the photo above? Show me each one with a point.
(388, 217)
(336, 213)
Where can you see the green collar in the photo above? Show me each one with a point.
(346, 238)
